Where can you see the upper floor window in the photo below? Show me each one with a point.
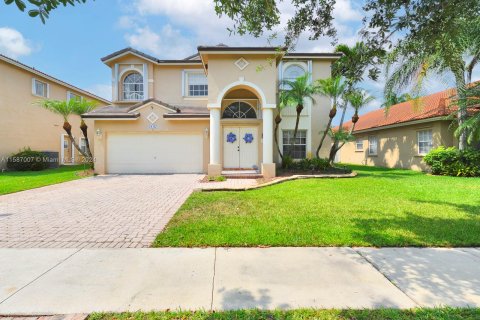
(39, 88)
(239, 110)
(71, 95)
(425, 141)
(133, 86)
(292, 72)
(196, 84)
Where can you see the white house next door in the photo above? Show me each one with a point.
(240, 147)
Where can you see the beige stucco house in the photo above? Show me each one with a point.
(207, 113)
(23, 124)
(401, 137)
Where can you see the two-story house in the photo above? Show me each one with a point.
(25, 124)
(209, 112)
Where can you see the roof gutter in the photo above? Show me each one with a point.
(401, 124)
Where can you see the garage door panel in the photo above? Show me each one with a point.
(155, 153)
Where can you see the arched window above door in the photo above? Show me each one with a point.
(239, 110)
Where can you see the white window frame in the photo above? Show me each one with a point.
(297, 144)
(429, 142)
(370, 144)
(359, 141)
(300, 64)
(34, 88)
(126, 74)
(186, 85)
(71, 93)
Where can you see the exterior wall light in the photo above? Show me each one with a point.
(206, 132)
(98, 132)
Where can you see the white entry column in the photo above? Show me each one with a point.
(268, 166)
(214, 166)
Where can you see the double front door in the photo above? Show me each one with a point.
(240, 147)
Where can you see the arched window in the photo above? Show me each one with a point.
(292, 72)
(239, 110)
(133, 86)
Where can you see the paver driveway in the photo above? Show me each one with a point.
(101, 212)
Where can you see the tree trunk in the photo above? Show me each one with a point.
(334, 149)
(324, 136)
(462, 111)
(84, 128)
(297, 121)
(331, 115)
(68, 129)
(278, 119)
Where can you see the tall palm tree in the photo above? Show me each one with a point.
(80, 107)
(64, 109)
(296, 92)
(472, 124)
(332, 88)
(282, 103)
(352, 66)
(357, 99)
(453, 54)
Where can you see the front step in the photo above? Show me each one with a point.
(242, 174)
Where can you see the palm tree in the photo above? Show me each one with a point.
(455, 53)
(357, 99)
(282, 103)
(352, 66)
(296, 92)
(332, 88)
(472, 124)
(80, 107)
(64, 109)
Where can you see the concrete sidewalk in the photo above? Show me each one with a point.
(63, 281)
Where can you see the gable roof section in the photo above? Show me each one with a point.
(429, 107)
(140, 54)
(51, 78)
(131, 112)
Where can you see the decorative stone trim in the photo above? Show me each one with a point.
(279, 180)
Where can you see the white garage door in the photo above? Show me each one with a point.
(154, 153)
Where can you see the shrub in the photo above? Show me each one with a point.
(453, 162)
(27, 160)
(287, 162)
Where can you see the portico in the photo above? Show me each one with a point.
(241, 130)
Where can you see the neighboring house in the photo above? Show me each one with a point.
(23, 124)
(209, 112)
(401, 137)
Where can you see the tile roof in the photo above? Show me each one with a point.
(121, 111)
(431, 106)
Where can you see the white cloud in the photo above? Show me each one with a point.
(101, 90)
(345, 11)
(168, 43)
(13, 44)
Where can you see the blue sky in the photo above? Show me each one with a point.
(69, 46)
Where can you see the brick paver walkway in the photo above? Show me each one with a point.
(98, 212)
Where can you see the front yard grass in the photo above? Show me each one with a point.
(380, 207)
(14, 181)
(301, 314)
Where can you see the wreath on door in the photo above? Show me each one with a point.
(248, 138)
(231, 137)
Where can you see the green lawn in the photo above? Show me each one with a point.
(380, 207)
(23, 180)
(302, 314)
